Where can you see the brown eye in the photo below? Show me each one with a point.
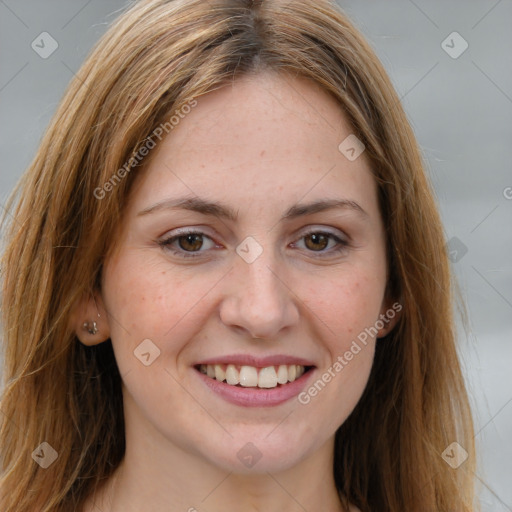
(190, 242)
(318, 241)
(187, 244)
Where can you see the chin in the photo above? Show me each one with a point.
(261, 463)
(260, 453)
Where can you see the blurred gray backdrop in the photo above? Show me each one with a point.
(450, 62)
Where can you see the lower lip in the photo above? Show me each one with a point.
(256, 397)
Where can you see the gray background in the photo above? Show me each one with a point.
(460, 109)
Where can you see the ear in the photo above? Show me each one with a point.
(390, 313)
(89, 320)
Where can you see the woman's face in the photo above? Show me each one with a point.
(268, 280)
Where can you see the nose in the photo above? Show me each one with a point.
(259, 300)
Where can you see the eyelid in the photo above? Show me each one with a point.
(179, 232)
(328, 231)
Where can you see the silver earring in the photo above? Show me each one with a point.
(91, 327)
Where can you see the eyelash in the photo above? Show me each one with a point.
(166, 243)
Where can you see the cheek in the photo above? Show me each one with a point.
(146, 300)
(138, 289)
(346, 304)
(344, 314)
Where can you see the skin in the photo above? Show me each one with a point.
(259, 145)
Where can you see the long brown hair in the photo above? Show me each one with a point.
(157, 57)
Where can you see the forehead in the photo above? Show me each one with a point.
(261, 139)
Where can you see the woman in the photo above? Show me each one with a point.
(225, 287)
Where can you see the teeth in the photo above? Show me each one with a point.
(249, 376)
(232, 375)
(220, 374)
(282, 374)
(267, 378)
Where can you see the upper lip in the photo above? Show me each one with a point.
(258, 362)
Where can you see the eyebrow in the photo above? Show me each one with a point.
(220, 210)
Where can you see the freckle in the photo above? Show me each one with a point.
(262, 153)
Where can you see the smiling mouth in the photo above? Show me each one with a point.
(252, 377)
